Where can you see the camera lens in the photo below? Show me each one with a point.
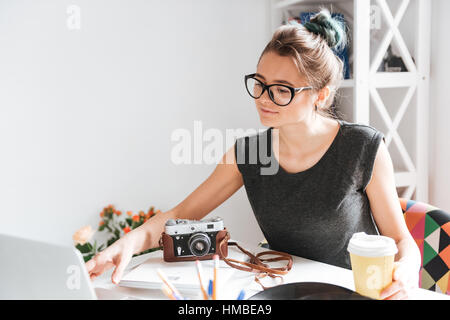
(199, 244)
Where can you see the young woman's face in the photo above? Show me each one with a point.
(273, 68)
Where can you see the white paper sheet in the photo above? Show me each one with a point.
(183, 275)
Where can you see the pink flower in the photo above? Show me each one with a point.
(83, 235)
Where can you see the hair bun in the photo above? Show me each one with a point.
(329, 28)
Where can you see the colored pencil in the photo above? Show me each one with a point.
(241, 295)
(168, 284)
(200, 276)
(215, 281)
(210, 288)
(165, 289)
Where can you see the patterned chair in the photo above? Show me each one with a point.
(430, 228)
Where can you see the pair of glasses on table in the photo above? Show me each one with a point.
(280, 94)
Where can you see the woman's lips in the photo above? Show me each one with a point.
(267, 111)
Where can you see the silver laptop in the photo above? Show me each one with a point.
(31, 269)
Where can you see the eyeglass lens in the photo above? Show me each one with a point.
(279, 94)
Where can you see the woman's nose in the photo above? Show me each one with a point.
(265, 98)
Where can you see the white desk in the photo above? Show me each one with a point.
(303, 270)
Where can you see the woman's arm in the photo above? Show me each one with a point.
(388, 215)
(225, 180)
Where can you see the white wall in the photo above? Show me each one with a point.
(86, 115)
(440, 106)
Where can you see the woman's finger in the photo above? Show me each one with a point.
(399, 295)
(120, 268)
(101, 262)
(393, 288)
(398, 270)
(90, 265)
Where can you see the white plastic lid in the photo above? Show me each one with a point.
(366, 245)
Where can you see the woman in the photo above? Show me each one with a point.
(333, 178)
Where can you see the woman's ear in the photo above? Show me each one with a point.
(323, 95)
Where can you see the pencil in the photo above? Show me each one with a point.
(210, 286)
(167, 292)
(215, 284)
(241, 295)
(200, 276)
(168, 284)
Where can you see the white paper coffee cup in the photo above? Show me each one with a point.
(372, 260)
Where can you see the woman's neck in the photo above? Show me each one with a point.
(300, 137)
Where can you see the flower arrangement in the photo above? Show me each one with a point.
(113, 222)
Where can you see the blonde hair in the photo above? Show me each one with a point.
(311, 47)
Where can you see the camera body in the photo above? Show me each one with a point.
(186, 240)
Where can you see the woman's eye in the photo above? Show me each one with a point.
(282, 91)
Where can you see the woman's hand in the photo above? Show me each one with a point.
(405, 279)
(118, 254)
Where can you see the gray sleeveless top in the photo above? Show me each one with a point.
(312, 213)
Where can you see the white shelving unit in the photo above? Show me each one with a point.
(396, 103)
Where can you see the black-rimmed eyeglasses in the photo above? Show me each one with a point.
(280, 94)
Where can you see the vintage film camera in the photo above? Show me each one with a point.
(185, 240)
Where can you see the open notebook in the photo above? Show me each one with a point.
(183, 274)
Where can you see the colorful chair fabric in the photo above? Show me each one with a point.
(430, 228)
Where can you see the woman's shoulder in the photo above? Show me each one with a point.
(358, 150)
(357, 131)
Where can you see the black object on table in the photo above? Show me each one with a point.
(308, 291)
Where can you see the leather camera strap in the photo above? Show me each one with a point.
(256, 263)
